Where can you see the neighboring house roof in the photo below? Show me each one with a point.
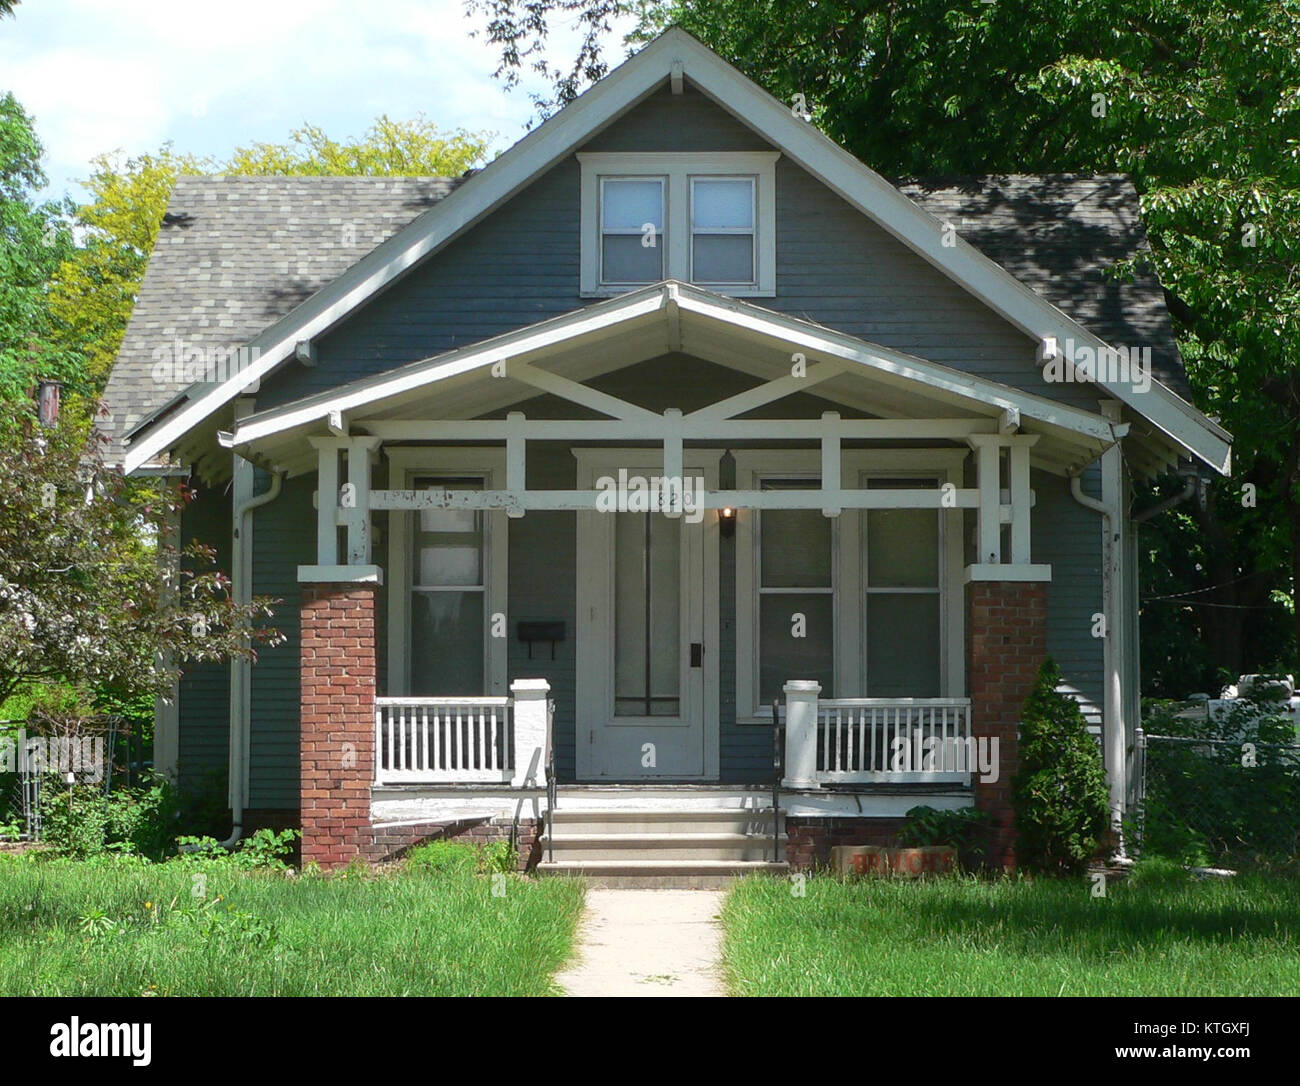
(673, 56)
(1062, 234)
(235, 254)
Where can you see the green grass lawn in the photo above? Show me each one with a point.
(1161, 933)
(69, 928)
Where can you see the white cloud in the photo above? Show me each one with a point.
(134, 73)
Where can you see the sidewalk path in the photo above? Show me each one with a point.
(647, 943)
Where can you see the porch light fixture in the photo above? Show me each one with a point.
(727, 522)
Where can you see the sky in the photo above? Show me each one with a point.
(129, 75)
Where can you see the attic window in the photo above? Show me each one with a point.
(707, 219)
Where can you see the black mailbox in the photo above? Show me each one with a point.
(530, 632)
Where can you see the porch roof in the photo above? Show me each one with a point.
(561, 353)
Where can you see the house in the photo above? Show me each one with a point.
(673, 444)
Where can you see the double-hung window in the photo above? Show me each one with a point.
(862, 603)
(631, 230)
(708, 219)
(447, 578)
(448, 595)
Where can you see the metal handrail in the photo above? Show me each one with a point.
(778, 753)
(552, 794)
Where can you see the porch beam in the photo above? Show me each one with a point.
(693, 428)
(930, 498)
(768, 392)
(578, 393)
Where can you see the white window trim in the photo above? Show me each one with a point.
(850, 622)
(404, 466)
(678, 168)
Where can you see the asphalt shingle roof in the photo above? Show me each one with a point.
(235, 254)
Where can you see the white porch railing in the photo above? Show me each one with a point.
(450, 740)
(875, 740)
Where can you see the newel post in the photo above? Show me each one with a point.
(801, 733)
(531, 710)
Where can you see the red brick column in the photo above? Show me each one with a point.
(1006, 645)
(336, 743)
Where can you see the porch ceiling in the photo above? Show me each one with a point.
(484, 378)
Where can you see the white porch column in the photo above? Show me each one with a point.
(531, 723)
(361, 453)
(327, 499)
(1114, 742)
(801, 733)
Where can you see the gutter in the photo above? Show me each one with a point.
(241, 670)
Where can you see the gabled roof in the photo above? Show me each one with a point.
(677, 52)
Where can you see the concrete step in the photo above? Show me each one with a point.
(661, 874)
(643, 822)
(659, 846)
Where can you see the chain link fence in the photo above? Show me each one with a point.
(108, 755)
(1218, 790)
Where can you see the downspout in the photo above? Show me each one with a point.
(241, 670)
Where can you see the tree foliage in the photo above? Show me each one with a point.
(93, 591)
(35, 239)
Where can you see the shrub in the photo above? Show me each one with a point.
(82, 821)
(1059, 792)
(928, 826)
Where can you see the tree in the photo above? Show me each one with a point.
(1059, 790)
(34, 240)
(92, 592)
(1198, 102)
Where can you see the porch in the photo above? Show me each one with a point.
(873, 538)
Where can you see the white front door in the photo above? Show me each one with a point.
(647, 651)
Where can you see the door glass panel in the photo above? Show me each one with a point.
(647, 615)
(903, 645)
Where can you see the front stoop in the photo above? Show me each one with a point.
(671, 849)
